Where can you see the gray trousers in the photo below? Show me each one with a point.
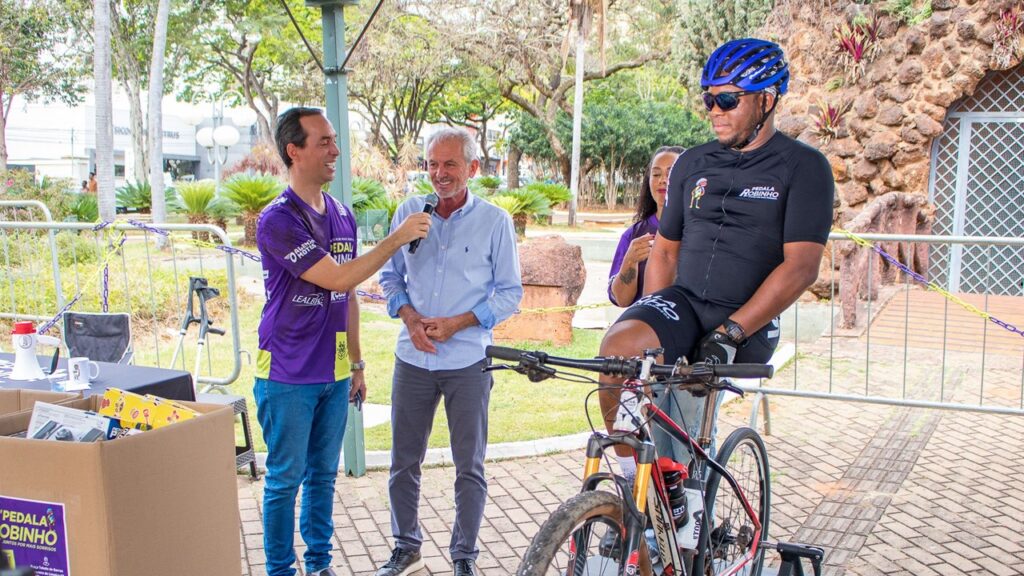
(415, 393)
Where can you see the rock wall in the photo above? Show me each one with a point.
(899, 100)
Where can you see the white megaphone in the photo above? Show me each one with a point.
(26, 365)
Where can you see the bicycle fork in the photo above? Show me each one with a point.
(634, 505)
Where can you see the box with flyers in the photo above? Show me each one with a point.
(162, 503)
(53, 422)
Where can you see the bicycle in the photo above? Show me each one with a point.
(602, 533)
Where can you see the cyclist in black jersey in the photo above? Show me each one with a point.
(741, 236)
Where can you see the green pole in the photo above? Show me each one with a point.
(336, 85)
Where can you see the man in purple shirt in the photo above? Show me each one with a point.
(309, 363)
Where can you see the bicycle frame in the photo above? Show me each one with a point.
(641, 502)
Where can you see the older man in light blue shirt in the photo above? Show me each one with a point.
(461, 281)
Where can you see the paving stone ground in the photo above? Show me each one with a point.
(886, 490)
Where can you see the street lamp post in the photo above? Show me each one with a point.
(219, 137)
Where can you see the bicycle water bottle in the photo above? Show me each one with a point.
(674, 473)
(689, 534)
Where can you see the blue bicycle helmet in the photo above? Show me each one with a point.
(749, 64)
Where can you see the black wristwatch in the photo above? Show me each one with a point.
(734, 331)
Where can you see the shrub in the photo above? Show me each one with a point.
(527, 204)
(555, 193)
(263, 158)
(830, 119)
(489, 183)
(364, 191)
(22, 185)
(138, 197)
(84, 208)
(251, 194)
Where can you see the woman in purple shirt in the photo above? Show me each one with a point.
(626, 279)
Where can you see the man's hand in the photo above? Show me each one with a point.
(415, 226)
(716, 348)
(414, 322)
(358, 387)
(441, 329)
(639, 249)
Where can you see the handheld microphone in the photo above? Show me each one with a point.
(429, 209)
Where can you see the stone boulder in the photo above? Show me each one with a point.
(553, 277)
(551, 261)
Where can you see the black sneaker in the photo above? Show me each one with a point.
(402, 563)
(466, 567)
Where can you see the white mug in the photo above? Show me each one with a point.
(81, 370)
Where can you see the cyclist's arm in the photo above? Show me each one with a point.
(661, 265)
(799, 269)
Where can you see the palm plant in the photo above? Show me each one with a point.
(195, 202)
(364, 191)
(84, 208)
(251, 194)
(423, 187)
(221, 210)
(487, 184)
(138, 197)
(522, 203)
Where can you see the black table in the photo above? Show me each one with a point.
(170, 384)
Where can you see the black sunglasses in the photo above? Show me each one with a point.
(726, 100)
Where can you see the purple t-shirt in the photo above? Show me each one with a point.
(303, 328)
(649, 226)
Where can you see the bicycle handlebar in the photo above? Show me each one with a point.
(630, 367)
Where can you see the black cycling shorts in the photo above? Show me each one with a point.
(680, 320)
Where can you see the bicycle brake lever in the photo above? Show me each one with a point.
(728, 387)
(494, 367)
(539, 373)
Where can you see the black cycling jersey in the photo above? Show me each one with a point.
(732, 212)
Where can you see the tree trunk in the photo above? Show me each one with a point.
(199, 219)
(519, 223)
(486, 168)
(104, 110)
(156, 130)
(565, 167)
(250, 227)
(514, 154)
(3, 134)
(138, 130)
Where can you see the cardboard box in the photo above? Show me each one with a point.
(161, 503)
(21, 401)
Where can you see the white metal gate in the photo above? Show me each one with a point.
(977, 187)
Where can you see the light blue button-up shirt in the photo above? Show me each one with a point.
(469, 262)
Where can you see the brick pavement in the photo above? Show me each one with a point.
(887, 490)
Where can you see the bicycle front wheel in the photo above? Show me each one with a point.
(731, 531)
(583, 537)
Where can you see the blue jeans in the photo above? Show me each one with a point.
(303, 426)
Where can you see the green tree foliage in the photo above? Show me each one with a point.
(131, 38)
(626, 118)
(473, 100)
(38, 58)
(253, 47)
(400, 70)
(705, 24)
(526, 46)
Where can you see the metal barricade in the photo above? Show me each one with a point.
(884, 334)
(120, 267)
